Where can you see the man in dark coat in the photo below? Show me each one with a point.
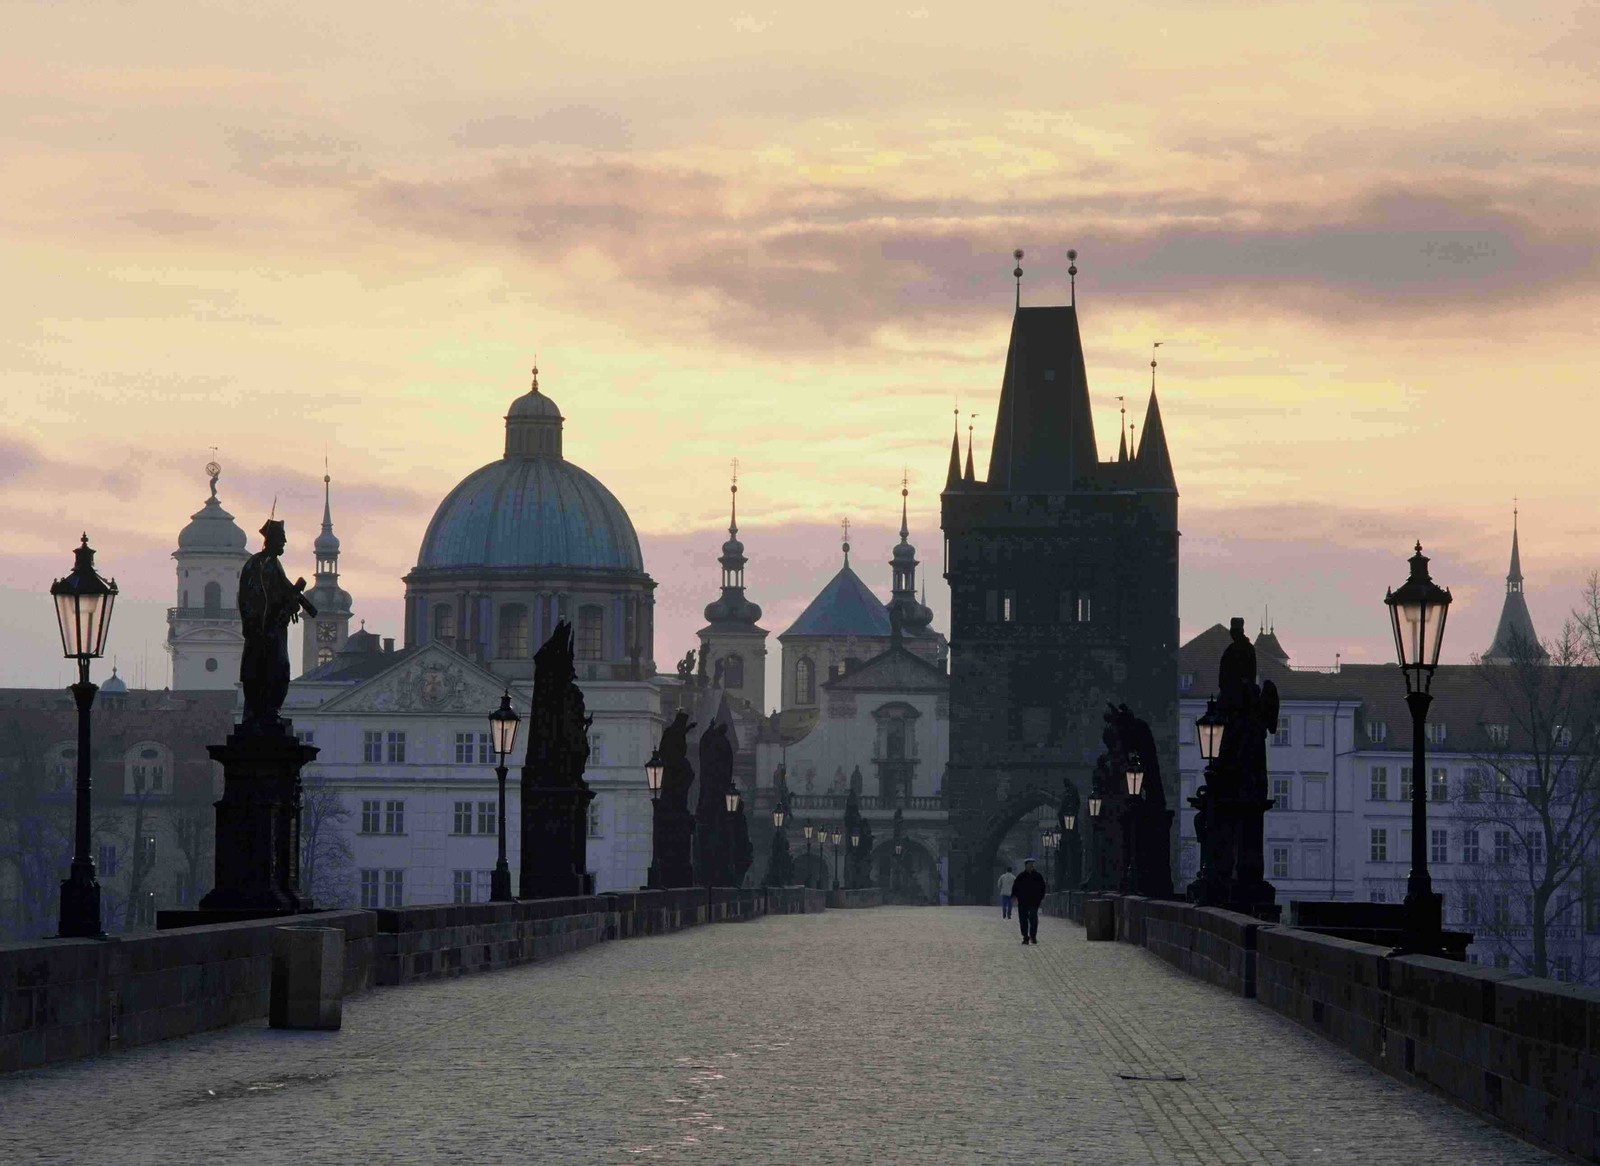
(1028, 892)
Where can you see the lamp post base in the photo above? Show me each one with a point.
(500, 884)
(80, 904)
(1424, 925)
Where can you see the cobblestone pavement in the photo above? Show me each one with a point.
(898, 1035)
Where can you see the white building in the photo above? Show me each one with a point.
(524, 542)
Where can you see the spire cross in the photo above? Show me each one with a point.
(1017, 274)
(733, 493)
(844, 528)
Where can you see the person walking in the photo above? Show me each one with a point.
(1005, 893)
(1028, 891)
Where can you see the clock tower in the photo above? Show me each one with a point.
(325, 634)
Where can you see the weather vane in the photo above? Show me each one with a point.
(213, 470)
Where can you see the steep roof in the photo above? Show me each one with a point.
(1044, 434)
(1266, 644)
(845, 607)
(1153, 462)
(1514, 635)
(895, 670)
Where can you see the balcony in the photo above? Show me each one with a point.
(886, 805)
(215, 614)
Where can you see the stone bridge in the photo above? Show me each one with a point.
(886, 1035)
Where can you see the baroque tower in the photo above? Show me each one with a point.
(1063, 574)
(1514, 637)
(204, 636)
(325, 635)
(733, 648)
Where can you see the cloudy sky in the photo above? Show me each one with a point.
(1367, 235)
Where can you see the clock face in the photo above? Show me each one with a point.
(326, 633)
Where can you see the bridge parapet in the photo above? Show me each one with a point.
(1520, 1051)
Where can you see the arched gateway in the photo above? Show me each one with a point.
(1063, 574)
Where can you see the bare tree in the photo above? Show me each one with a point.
(35, 834)
(1534, 814)
(326, 860)
(193, 832)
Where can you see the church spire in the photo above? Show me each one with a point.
(1153, 461)
(327, 543)
(969, 477)
(733, 607)
(905, 612)
(952, 479)
(1514, 637)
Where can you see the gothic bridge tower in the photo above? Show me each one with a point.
(1063, 574)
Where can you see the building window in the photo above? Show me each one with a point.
(597, 745)
(1561, 968)
(464, 748)
(444, 622)
(1280, 735)
(108, 861)
(805, 682)
(591, 632)
(1405, 783)
(488, 818)
(394, 888)
(513, 631)
(1281, 790)
(733, 671)
(369, 815)
(594, 819)
(1440, 849)
(1502, 959)
(1502, 787)
(324, 655)
(463, 823)
(371, 747)
(1435, 732)
(484, 880)
(1280, 862)
(461, 886)
(212, 598)
(1379, 790)
(1084, 608)
(1314, 727)
(1469, 908)
(1185, 683)
(1469, 847)
(1502, 909)
(1380, 844)
(1439, 785)
(1535, 848)
(1008, 607)
(394, 818)
(180, 890)
(1377, 895)
(1377, 732)
(1472, 785)
(1498, 734)
(397, 748)
(307, 736)
(1502, 847)
(369, 889)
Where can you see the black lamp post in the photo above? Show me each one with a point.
(1215, 848)
(809, 830)
(1095, 877)
(503, 733)
(1130, 852)
(778, 865)
(837, 836)
(83, 613)
(898, 879)
(1417, 612)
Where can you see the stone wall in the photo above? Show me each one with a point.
(63, 999)
(68, 998)
(857, 897)
(1521, 1052)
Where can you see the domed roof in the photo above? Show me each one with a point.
(211, 528)
(532, 508)
(114, 685)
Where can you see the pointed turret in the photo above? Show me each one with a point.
(953, 478)
(1043, 434)
(1153, 462)
(324, 637)
(1514, 637)
(733, 647)
(904, 610)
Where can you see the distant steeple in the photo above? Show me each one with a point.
(1514, 636)
(733, 607)
(905, 612)
(1043, 433)
(968, 476)
(327, 543)
(325, 636)
(1153, 461)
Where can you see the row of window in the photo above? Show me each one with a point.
(388, 816)
(1504, 846)
(1475, 784)
(1002, 606)
(513, 629)
(379, 747)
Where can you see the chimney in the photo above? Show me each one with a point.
(388, 644)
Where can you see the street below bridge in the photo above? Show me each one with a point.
(893, 1035)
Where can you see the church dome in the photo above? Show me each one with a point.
(532, 508)
(114, 685)
(211, 528)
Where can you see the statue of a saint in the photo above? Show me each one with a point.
(1236, 673)
(268, 604)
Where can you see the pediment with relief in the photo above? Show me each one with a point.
(435, 682)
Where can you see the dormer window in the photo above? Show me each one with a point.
(1498, 734)
(1435, 732)
(1377, 732)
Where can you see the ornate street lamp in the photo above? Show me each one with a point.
(1094, 805)
(777, 816)
(83, 613)
(1417, 612)
(653, 769)
(1134, 775)
(503, 734)
(731, 798)
(1069, 821)
(837, 836)
(1208, 727)
(809, 830)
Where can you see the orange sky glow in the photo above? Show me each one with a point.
(1368, 236)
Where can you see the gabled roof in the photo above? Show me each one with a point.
(429, 679)
(896, 670)
(845, 607)
(1153, 461)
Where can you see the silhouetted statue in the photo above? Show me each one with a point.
(268, 604)
(1236, 674)
(686, 665)
(555, 798)
(713, 837)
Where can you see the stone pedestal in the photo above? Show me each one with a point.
(672, 835)
(1100, 920)
(1155, 853)
(307, 978)
(555, 841)
(258, 824)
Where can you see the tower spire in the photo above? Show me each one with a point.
(733, 505)
(905, 477)
(1017, 274)
(1072, 274)
(953, 475)
(1514, 637)
(969, 476)
(844, 536)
